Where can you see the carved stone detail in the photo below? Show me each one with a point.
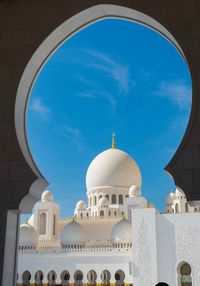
(144, 255)
(188, 248)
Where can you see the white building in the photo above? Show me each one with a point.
(117, 238)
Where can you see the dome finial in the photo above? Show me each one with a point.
(113, 141)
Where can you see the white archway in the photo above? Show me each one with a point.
(44, 51)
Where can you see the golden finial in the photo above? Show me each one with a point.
(113, 141)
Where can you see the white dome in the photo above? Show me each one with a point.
(179, 193)
(113, 167)
(47, 196)
(121, 232)
(171, 197)
(103, 202)
(28, 235)
(81, 205)
(73, 233)
(31, 220)
(134, 191)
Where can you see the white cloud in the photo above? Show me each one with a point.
(110, 98)
(72, 134)
(85, 94)
(177, 92)
(118, 72)
(99, 94)
(36, 105)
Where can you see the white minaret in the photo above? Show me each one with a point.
(46, 217)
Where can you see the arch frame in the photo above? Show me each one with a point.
(61, 34)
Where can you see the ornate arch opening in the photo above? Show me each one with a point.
(51, 276)
(184, 270)
(65, 276)
(26, 277)
(46, 49)
(92, 277)
(39, 278)
(105, 277)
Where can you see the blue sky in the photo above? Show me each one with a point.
(113, 76)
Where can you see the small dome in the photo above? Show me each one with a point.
(28, 235)
(171, 197)
(113, 167)
(121, 232)
(103, 202)
(47, 196)
(134, 191)
(179, 193)
(73, 233)
(81, 205)
(31, 220)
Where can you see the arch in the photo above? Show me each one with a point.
(65, 276)
(54, 224)
(39, 278)
(120, 199)
(176, 208)
(101, 214)
(119, 277)
(114, 199)
(184, 274)
(105, 277)
(51, 43)
(43, 222)
(162, 284)
(26, 277)
(107, 197)
(51, 277)
(78, 277)
(186, 207)
(92, 277)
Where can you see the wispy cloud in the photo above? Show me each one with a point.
(179, 122)
(100, 94)
(86, 94)
(72, 134)
(177, 92)
(39, 107)
(117, 71)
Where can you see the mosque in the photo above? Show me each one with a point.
(117, 238)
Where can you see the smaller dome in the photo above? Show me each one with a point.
(31, 220)
(171, 197)
(81, 205)
(103, 202)
(73, 233)
(47, 196)
(121, 232)
(179, 193)
(134, 191)
(28, 235)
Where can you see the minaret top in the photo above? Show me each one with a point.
(113, 141)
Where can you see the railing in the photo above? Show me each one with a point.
(79, 250)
